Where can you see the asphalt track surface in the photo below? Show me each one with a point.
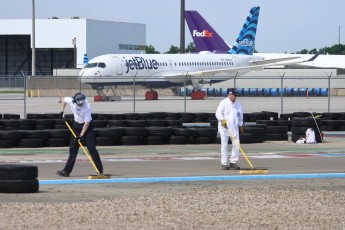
(170, 168)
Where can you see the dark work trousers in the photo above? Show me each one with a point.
(90, 142)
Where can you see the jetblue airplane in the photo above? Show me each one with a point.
(214, 43)
(166, 70)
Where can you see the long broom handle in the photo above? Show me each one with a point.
(316, 125)
(81, 145)
(238, 145)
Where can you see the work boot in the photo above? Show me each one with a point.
(234, 166)
(62, 173)
(225, 167)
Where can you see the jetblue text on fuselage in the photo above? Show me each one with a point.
(140, 63)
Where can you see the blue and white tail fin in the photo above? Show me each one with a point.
(245, 42)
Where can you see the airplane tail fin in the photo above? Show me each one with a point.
(245, 42)
(204, 36)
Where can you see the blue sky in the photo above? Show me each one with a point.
(284, 25)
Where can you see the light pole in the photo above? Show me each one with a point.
(182, 27)
(74, 43)
(33, 53)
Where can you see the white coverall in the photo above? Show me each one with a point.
(310, 136)
(233, 114)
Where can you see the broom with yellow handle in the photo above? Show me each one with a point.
(250, 170)
(99, 175)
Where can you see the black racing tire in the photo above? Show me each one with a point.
(245, 138)
(18, 172)
(99, 123)
(109, 132)
(335, 123)
(179, 140)
(11, 123)
(36, 134)
(19, 186)
(277, 137)
(254, 130)
(31, 143)
(129, 140)
(135, 131)
(11, 116)
(301, 114)
(11, 135)
(132, 116)
(56, 142)
(136, 123)
(105, 141)
(45, 122)
(267, 122)
(6, 143)
(257, 139)
(184, 132)
(59, 133)
(117, 123)
(276, 130)
(206, 131)
(118, 117)
(35, 116)
(159, 123)
(286, 116)
(174, 123)
(153, 140)
(164, 132)
(305, 122)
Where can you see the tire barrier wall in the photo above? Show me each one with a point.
(47, 130)
(18, 178)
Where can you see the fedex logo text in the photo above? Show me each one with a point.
(203, 34)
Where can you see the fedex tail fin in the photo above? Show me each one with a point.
(245, 43)
(204, 36)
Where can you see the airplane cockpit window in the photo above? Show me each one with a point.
(91, 65)
(101, 65)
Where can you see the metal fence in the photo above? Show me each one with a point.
(282, 85)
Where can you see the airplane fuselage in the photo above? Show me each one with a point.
(167, 69)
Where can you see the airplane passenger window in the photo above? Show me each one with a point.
(101, 65)
(91, 65)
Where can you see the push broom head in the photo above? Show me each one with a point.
(99, 176)
(253, 171)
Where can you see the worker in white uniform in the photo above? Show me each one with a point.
(310, 136)
(230, 116)
(82, 127)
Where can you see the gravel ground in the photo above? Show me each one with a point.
(206, 206)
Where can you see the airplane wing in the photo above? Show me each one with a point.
(252, 65)
(271, 61)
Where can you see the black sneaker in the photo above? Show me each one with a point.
(234, 166)
(62, 173)
(225, 167)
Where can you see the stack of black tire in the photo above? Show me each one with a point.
(18, 178)
(300, 126)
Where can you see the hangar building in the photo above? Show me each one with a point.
(54, 42)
